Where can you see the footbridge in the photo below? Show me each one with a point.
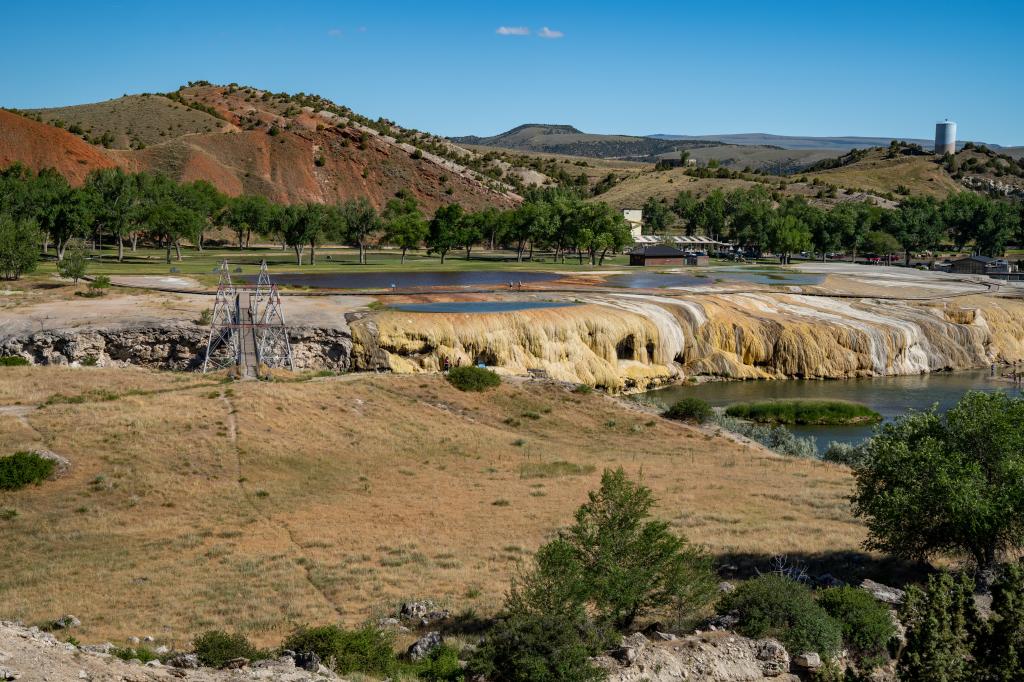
(247, 328)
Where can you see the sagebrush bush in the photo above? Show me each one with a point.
(538, 646)
(866, 624)
(22, 469)
(216, 647)
(690, 410)
(366, 650)
(473, 378)
(13, 361)
(775, 606)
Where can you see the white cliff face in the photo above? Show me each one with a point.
(634, 341)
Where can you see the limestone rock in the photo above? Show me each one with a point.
(67, 621)
(712, 657)
(422, 647)
(808, 660)
(9, 674)
(186, 661)
(883, 593)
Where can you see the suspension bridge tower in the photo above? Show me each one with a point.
(247, 329)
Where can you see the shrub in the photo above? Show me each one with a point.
(440, 665)
(777, 438)
(366, 650)
(128, 654)
(13, 361)
(774, 606)
(939, 619)
(529, 646)
(690, 410)
(618, 562)
(473, 378)
(100, 282)
(866, 624)
(216, 647)
(22, 469)
(844, 453)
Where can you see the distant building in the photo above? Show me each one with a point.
(979, 265)
(698, 259)
(657, 254)
(945, 137)
(635, 218)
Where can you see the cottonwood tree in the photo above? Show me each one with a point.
(404, 224)
(360, 222)
(19, 246)
(75, 262)
(444, 232)
(952, 484)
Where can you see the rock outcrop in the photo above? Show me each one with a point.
(178, 347)
(28, 654)
(711, 657)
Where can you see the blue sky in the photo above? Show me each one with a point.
(802, 68)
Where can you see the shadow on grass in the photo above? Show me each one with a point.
(850, 566)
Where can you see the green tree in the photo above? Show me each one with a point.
(361, 221)
(686, 205)
(916, 224)
(880, 243)
(940, 620)
(444, 232)
(404, 225)
(474, 226)
(19, 246)
(747, 213)
(936, 484)
(1000, 650)
(247, 214)
(167, 221)
(620, 562)
(75, 262)
(787, 233)
(114, 192)
(207, 202)
(657, 216)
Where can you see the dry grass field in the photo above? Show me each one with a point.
(192, 503)
(918, 174)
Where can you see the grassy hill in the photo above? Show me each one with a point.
(260, 506)
(132, 121)
(289, 148)
(876, 173)
(567, 140)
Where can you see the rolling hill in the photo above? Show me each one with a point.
(289, 148)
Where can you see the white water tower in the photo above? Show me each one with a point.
(945, 137)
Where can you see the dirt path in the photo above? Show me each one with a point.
(297, 549)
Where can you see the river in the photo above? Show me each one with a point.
(889, 396)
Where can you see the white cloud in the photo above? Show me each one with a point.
(513, 31)
(548, 33)
(334, 32)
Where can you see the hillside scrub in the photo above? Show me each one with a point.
(473, 378)
(824, 412)
(13, 361)
(216, 647)
(22, 469)
(866, 624)
(689, 410)
(777, 438)
(367, 650)
(774, 606)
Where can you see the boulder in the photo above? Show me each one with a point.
(711, 657)
(808, 660)
(66, 622)
(883, 593)
(237, 663)
(307, 660)
(103, 648)
(8, 674)
(725, 587)
(422, 647)
(186, 661)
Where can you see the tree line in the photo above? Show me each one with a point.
(43, 210)
(760, 220)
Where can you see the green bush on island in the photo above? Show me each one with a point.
(827, 412)
(22, 469)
